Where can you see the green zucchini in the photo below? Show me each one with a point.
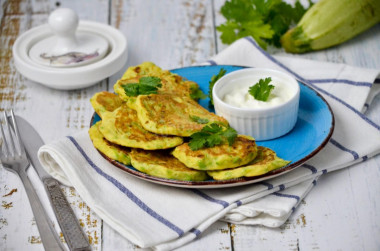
(331, 22)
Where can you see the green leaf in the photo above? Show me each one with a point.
(199, 120)
(145, 86)
(212, 135)
(230, 134)
(264, 20)
(212, 82)
(262, 89)
(196, 93)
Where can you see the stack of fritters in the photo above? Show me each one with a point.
(150, 132)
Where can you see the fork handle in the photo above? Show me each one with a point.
(49, 237)
(71, 229)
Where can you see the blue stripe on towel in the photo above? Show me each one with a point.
(209, 198)
(287, 196)
(211, 62)
(337, 144)
(307, 81)
(310, 167)
(195, 231)
(361, 115)
(282, 187)
(344, 81)
(270, 186)
(127, 192)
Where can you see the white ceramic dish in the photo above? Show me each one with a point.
(72, 77)
(262, 123)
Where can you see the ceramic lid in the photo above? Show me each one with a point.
(69, 54)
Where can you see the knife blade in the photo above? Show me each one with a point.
(71, 229)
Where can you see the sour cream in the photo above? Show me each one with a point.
(240, 97)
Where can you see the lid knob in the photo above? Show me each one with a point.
(68, 46)
(64, 23)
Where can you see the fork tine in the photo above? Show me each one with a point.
(5, 142)
(15, 128)
(13, 147)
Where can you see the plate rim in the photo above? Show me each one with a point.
(231, 182)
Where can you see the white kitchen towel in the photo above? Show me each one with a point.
(162, 217)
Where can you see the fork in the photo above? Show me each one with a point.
(13, 158)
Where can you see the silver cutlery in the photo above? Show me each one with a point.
(71, 229)
(14, 159)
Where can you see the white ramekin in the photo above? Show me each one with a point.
(260, 123)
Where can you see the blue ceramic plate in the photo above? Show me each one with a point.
(312, 131)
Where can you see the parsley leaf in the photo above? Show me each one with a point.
(212, 135)
(145, 86)
(212, 82)
(262, 89)
(196, 93)
(265, 20)
(199, 120)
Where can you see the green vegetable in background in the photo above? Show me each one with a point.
(265, 20)
(262, 89)
(328, 23)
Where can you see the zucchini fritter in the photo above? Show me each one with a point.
(162, 164)
(241, 152)
(122, 127)
(111, 150)
(105, 102)
(171, 83)
(172, 115)
(265, 161)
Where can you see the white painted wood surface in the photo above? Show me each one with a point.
(341, 213)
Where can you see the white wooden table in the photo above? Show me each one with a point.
(341, 213)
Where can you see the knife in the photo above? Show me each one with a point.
(71, 229)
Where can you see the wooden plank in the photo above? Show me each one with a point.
(55, 114)
(170, 33)
(19, 229)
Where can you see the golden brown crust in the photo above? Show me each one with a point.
(123, 127)
(172, 114)
(105, 102)
(171, 83)
(241, 152)
(162, 164)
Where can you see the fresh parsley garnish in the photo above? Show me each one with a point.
(265, 20)
(212, 135)
(212, 82)
(262, 89)
(145, 86)
(199, 120)
(196, 93)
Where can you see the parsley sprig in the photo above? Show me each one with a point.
(212, 135)
(145, 86)
(265, 20)
(196, 93)
(262, 89)
(212, 82)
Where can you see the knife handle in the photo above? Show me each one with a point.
(72, 231)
